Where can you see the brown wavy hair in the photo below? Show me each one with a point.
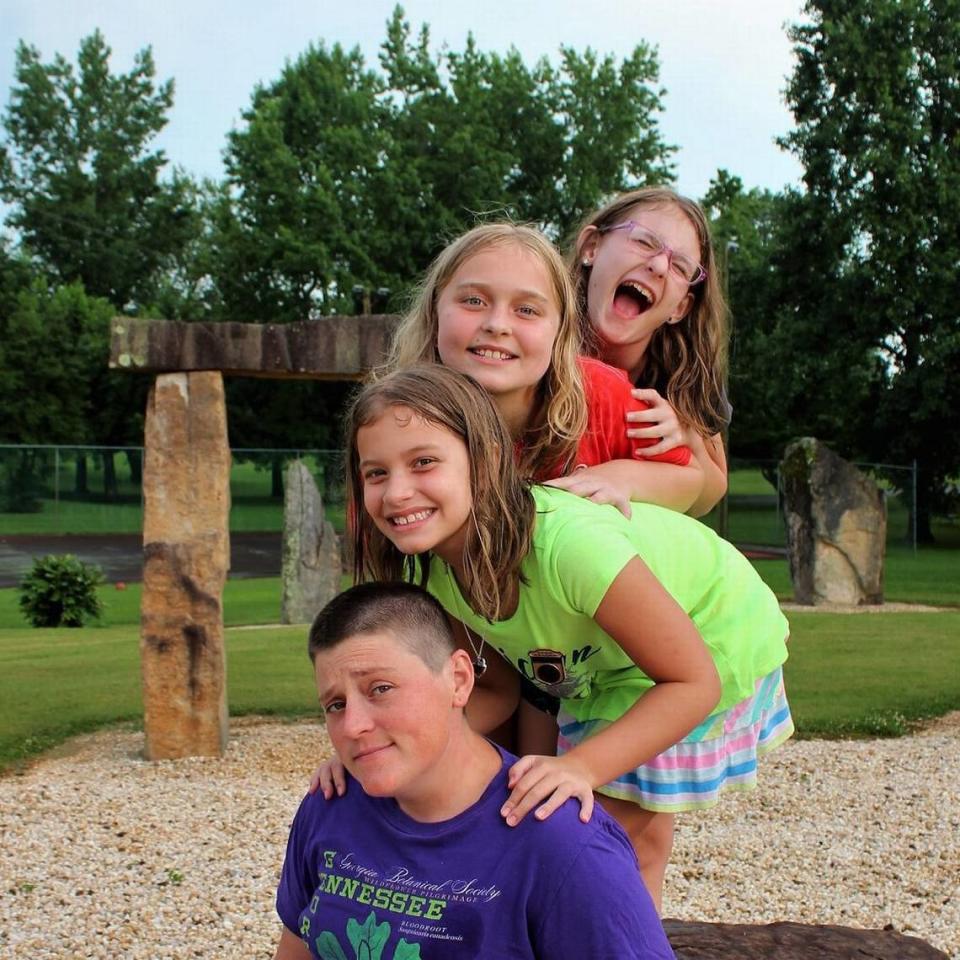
(549, 441)
(500, 531)
(685, 362)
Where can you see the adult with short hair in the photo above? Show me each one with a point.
(415, 860)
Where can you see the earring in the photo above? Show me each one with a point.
(587, 262)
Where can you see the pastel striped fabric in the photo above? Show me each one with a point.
(720, 754)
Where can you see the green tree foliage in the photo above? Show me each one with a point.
(51, 340)
(78, 170)
(788, 299)
(876, 97)
(344, 175)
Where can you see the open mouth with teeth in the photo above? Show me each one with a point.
(409, 518)
(485, 353)
(631, 299)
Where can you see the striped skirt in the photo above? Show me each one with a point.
(720, 754)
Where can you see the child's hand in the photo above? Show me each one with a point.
(329, 777)
(532, 778)
(660, 422)
(588, 482)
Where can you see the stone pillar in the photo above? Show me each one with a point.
(311, 549)
(186, 547)
(836, 527)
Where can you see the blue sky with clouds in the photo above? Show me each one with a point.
(724, 63)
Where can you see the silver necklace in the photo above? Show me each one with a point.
(479, 661)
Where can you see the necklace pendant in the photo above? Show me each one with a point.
(479, 666)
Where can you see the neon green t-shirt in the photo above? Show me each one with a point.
(579, 548)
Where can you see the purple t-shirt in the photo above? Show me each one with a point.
(361, 879)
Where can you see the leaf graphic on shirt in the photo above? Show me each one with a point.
(368, 939)
(407, 951)
(328, 947)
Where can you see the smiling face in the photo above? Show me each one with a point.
(416, 482)
(393, 720)
(498, 317)
(630, 294)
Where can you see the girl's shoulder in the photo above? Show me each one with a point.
(558, 509)
(598, 374)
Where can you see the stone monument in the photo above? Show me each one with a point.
(836, 521)
(186, 486)
(186, 555)
(311, 549)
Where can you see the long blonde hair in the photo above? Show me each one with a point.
(550, 439)
(686, 361)
(500, 532)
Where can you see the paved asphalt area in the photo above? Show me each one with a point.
(120, 556)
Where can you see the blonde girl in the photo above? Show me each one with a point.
(660, 639)
(497, 304)
(649, 295)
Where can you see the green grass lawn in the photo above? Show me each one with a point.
(58, 683)
(853, 675)
(253, 601)
(871, 674)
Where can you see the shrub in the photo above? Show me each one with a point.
(61, 591)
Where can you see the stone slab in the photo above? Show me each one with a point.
(329, 348)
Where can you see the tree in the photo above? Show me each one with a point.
(876, 97)
(293, 224)
(78, 171)
(788, 295)
(345, 175)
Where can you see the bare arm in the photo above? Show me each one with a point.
(536, 731)
(664, 643)
(712, 458)
(645, 481)
(291, 947)
(660, 422)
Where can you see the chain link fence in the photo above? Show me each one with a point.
(753, 513)
(97, 490)
(59, 490)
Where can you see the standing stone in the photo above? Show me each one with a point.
(311, 549)
(836, 527)
(186, 546)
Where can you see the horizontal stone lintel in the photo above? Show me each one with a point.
(329, 348)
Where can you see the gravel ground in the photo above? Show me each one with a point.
(105, 855)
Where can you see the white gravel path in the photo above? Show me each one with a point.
(105, 855)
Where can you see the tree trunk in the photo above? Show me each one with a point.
(80, 474)
(109, 476)
(135, 460)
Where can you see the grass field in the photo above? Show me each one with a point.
(855, 675)
(848, 675)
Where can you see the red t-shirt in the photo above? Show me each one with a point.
(608, 401)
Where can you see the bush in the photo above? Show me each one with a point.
(61, 591)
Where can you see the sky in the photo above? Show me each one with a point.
(724, 63)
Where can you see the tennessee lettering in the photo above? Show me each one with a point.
(395, 901)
